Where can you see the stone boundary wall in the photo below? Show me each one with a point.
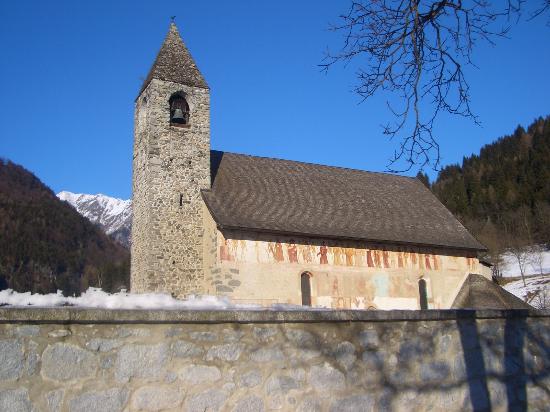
(69, 359)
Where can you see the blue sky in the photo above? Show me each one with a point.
(71, 70)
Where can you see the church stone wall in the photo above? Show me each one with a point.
(171, 165)
(266, 269)
(74, 360)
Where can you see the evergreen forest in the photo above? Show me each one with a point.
(46, 245)
(502, 194)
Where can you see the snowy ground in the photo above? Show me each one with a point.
(96, 298)
(536, 292)
(510, 268)
(537, 278)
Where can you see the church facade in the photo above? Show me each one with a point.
(269, 231)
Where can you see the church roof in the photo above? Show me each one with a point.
(174, 63)
(479, 293)
(295, 198)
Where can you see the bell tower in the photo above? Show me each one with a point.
(171, 164)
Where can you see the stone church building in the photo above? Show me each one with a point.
(266, 231)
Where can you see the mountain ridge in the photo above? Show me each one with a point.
(112, 214)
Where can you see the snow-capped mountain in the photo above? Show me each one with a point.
(112, 214)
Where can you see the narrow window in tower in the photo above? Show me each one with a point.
(181, 200)
(179, 110)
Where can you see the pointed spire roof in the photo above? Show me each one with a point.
(174, 63)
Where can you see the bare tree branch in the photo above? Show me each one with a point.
(417, 50)
(545, 7)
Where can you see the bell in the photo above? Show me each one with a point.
(178, 117)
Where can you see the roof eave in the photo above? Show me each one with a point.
(333, 237)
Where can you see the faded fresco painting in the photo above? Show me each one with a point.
(344, 275)
(304, 253)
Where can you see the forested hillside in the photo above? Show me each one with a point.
(46, 245)
(503, 194)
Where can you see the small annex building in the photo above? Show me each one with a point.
(267, 231)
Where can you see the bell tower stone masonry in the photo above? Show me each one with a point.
(171, 165)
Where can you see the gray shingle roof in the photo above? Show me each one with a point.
(480, 293)
(174, 63)
(283, 196)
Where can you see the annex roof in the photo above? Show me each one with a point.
(480, 293)
(303, 199)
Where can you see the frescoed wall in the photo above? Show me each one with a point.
(267, 269)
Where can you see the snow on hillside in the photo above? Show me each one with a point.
(112, 214)
(105, 210)
(510, 268)
(537, 289)
(536, 292)
(96, 298)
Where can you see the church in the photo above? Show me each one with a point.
(268, 231)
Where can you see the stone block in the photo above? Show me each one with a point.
(64, 362)
(184, 349)
(54, 400)
(249, 404)
(107, 361)
(26, 331)
(369, 339)
(31, 359)
(280, 384)
(310, 405)
(211, 400)
(358, 403)
(11, 359)
(229, 387)
(298, 373)
(264, 334)
(229, 352)
(326, 378)
(155, 398)
(301, 338)
(410, 351)
(141, 361)
(197, 374)
(175, 331)
(276, 402)
(59, 333)
(15, 400)
(232, 335)
(111, 400)
(250, 379)
(344, 354)
(434, 371)
(204, 336)
(273, 354)
(304, 354)
(126, 332)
